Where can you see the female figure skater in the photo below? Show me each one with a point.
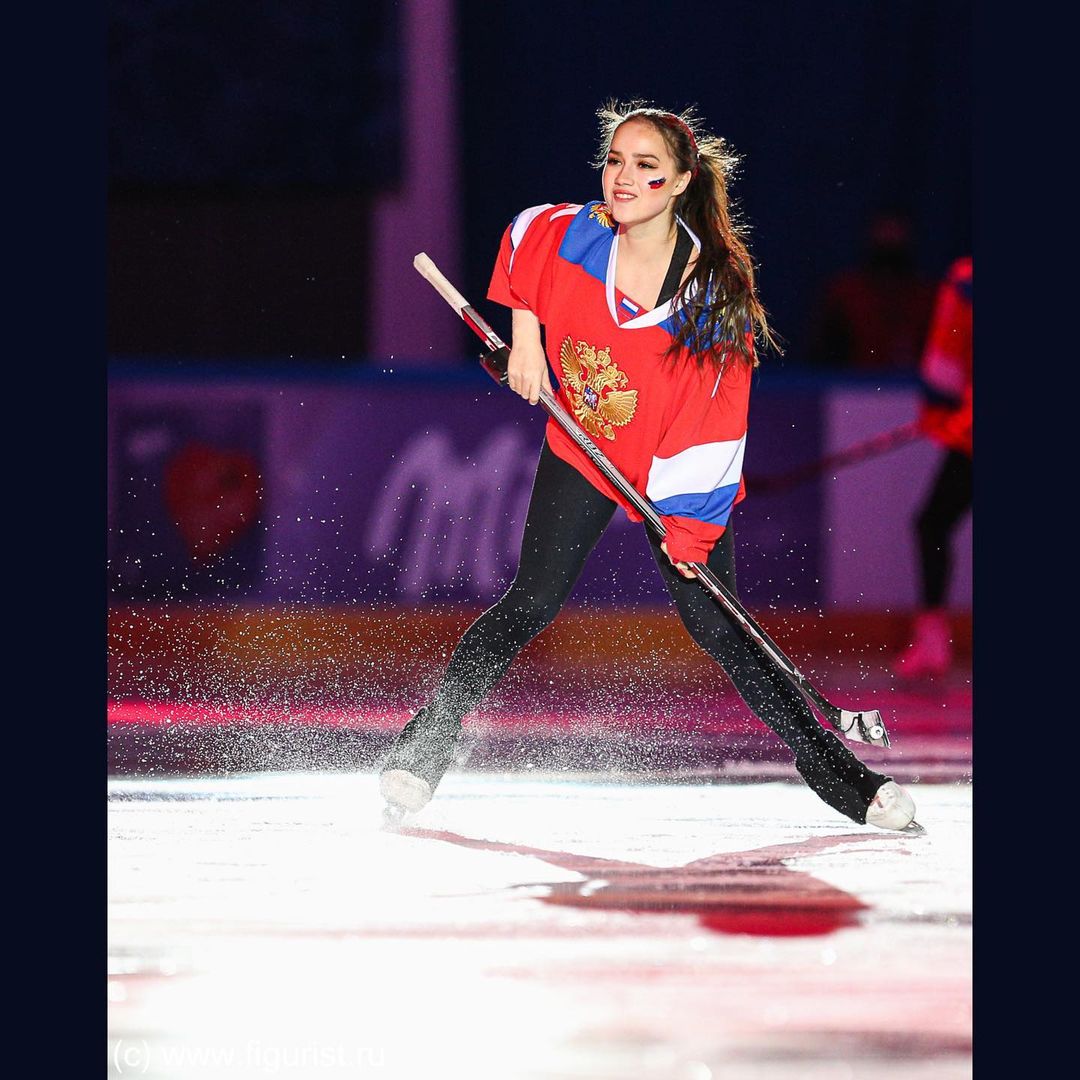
(650, 311)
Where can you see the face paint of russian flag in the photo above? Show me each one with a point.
(629, 305)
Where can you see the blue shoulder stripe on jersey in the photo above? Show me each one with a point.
(587, 243)
(711, 506)
(671, 324)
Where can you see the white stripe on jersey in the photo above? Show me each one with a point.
(697, 470)
(522, 222)
(527, 217)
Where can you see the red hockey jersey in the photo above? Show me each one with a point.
(946, 369)
(676, 432)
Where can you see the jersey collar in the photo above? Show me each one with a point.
(648, 318)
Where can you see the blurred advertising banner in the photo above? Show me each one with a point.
(412, 489)
(188, 519)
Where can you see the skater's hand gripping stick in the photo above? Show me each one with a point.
(683, 568)
(527, 370)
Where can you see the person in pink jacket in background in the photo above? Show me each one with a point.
(945, 417)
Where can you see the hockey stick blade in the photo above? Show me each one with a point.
(864, 726)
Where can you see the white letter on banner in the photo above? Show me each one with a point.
(438, 516)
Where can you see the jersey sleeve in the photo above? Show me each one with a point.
(525, 266)
(696, 474)
(946, 368)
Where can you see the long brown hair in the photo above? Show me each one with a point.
(718, 303)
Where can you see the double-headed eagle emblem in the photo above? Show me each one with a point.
(601, 212)
(595, 387)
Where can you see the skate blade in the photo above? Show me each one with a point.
(864, 727)
(403, 791)
(913, 828)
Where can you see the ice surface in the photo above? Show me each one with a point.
(534, 927)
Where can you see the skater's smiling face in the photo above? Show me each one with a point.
(641, 178)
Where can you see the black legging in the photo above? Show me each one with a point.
(566, 518)
(948, 501)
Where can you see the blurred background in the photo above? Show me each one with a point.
(312, 487)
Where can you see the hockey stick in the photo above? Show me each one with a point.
(851, 455)
(865, 726)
